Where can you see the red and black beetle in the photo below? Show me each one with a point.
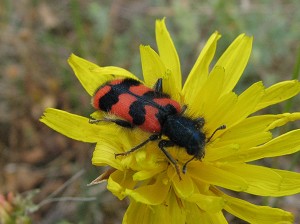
(152, 111)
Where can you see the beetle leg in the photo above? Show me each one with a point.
(167, 143)
(183, 109)
(151, 138)
(119, 122)
(184, 166)
(158, 88)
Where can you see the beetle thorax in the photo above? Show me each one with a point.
(185, 132)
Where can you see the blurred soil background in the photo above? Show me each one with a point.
(36, 39)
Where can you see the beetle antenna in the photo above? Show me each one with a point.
(218, 129)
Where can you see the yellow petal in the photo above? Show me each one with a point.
(244, 105)
(136, 212)
(119, 181)
(265, 181)
(232, 146)
(255, 214)
(290, 181)
(199, 73)
(73, 126)
(224, 105)
(112, 71)
(249, 133)
(234, 60)
(211, 93)
(174, 210)
(104, 154)
(279, 92)
(177, 211)
(214, 153)
(285, 144)
(211, 174)
(167, 52)
(217, 217)
(154, 68)
(185, 187)
(139, 213)
(234, 112)
(203, 100)
(91, 76)
(207, 203)
(165, 213)
(83, 70)
(206, 217)
(194, 214)
(263, 123)
(281, 119)
(147, 174)
(229, 111)
(151, 194)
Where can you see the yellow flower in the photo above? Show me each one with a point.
(156, 193)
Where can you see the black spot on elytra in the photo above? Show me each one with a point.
(164, 112)
(137, 112)
(157, 95)
(108, 100)
(127, 83)
(112, 96)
